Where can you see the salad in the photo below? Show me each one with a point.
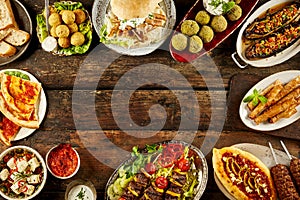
(160, 171)
(70, 29)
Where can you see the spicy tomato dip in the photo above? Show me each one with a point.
(63, 160)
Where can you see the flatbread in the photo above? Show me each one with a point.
(8, 130)
(242, 174)
(128, 9)
(19, 100)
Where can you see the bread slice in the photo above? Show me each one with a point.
(6, 15)
(17, 37)
(6, 49)
(4, 33)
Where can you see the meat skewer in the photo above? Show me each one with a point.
(282, 179)
(294, 166)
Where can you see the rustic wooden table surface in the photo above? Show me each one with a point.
(86, 109)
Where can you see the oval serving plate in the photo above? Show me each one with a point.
(273, 60)
(42, 107)
(284, 77)
(186, 56)
(261, 152)
(99, 10)
(24, 22)
(200, 162)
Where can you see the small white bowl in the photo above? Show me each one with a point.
(42, 162)
(57, 176)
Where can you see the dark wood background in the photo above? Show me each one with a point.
(216, 82)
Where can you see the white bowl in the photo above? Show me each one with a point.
(42, 162)
(57, 176)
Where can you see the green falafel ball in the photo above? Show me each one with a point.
(219, 23)
(235, 13)
(206, 34)
(189, 27)
(179, 42)
(196, 44)
(202, 17)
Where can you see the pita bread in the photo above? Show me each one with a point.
(128, 9)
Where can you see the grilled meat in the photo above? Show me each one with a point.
(141, 179)
(272, 22)
(274, 43)
(178, 179)
(174, 190)
(295, 171)
(151, 193)
(283, 182)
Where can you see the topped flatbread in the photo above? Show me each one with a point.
(243, 175)
(19, 99)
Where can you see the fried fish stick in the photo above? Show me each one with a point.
(285, 114)
(264, 92)
(262, 106)
(294, 94)
(290, 86)
(275, 110)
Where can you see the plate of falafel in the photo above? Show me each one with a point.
(69, 29)
(207, 24)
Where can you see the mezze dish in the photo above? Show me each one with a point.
(270, 35)
(23, 173)
(273, 102)
(200, 31)
(166, 170)
(133, 27)
(70, 29)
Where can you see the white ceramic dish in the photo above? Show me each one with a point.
(62, 177)
(261, 152)
(284, 77)
(98, 14)
(42, 107)
(270, 61)
(42, 162)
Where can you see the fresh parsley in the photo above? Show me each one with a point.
(81, 194)
(255, 98)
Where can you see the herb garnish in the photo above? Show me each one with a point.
(226, 6)
(81, 194)
(255, 97)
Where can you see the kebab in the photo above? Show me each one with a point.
(294, 166)
(283, 180)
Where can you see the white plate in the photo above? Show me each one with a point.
(261, 152)
(284, 77)
(273, 60)
(25, 132)
(98, 14)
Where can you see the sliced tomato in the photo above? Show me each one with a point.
(161, 182)
(150, 168)
(184, 165)
(165, 161)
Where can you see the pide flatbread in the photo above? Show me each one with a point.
(19, 100)
(242, 174)
(8, 130)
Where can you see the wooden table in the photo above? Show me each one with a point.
(80, 104)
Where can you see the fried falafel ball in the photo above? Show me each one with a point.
(219, 23)
(196, 44)
(202, 17)
(179, 42)
(54, 19)
(64, 42)
(73, 27)
(237, 1)
(80, 16)
(53, 31)
(206, 34)
(68, 16)
(62, 31)
(235, 13)
(77, 39)
(189, 27)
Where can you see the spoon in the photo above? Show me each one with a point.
(49, 43)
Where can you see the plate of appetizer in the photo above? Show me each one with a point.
(273, 102)
(16, 31)
(230, 157)
(206, 25)
(270, 35)
(160, 170)
(22, 105)
(30, 177)
(70, 29)
(133, 28)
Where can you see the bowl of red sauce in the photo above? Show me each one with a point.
(63, 161)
